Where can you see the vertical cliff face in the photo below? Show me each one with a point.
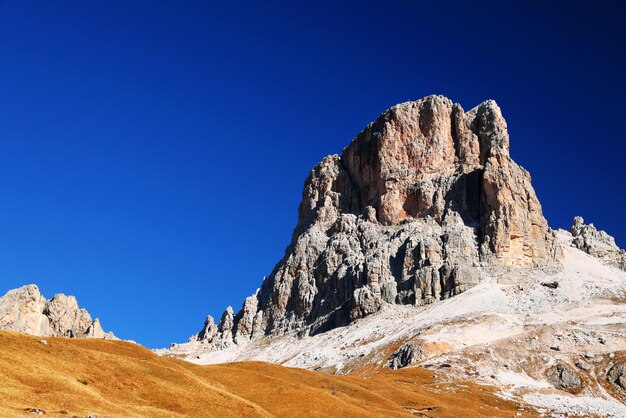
(423, 158)
(415, 206)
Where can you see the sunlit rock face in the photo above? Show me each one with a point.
(597, 243)
(416, 205)
(26, 310)
(429, 157)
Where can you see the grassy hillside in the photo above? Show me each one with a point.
(72, 377)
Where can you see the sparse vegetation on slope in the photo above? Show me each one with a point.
(127, 380)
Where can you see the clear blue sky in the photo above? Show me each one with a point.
(152, 154)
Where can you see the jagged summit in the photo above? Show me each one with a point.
(428, 158)
(26, 310)
(416, 208)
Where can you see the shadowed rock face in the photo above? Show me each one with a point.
(26, 310)
(417, 203)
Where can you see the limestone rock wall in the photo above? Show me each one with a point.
(419, 202)
(26, 310)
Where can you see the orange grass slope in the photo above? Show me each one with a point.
(77, 377)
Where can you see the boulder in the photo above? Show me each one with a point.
(563, 376)
(617, 375)
(406, 355)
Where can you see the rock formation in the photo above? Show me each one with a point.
(26, 310)
(417, 204)
(617, 375)
(597, 243)
(563, 376)
(406, 355)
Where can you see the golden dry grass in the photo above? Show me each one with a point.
(71, 377)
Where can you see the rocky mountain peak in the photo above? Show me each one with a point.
(422, 199)
(429, 158)
(26, 310)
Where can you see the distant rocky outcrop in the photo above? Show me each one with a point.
(26, 310)
(597, 243)
(421, 200)
(406, 355)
